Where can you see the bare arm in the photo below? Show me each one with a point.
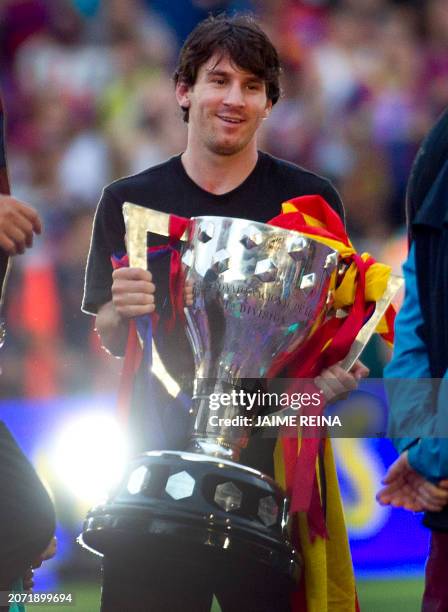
(112, 329)
(18, 224)
(132, 296)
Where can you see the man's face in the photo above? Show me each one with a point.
(226, 106)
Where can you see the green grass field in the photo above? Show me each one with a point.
(390, 595)
(374, 596)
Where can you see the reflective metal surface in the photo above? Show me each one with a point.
(394, 284)
(257, 291)
(203, 510)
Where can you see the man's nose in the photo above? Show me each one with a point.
(234, 95)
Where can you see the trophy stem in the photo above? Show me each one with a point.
(222, 424)
(213, 448)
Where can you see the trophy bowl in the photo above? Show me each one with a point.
(258, 294)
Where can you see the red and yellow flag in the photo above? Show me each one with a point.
(305, 467)
(362, 284)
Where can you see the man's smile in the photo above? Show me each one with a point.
(230, 119)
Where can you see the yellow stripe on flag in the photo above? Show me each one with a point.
(312, 221)
(327, 565)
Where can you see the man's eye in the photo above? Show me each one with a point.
(218, 81)
(254, 86)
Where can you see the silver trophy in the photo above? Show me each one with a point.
(258, 293)
(258, 290)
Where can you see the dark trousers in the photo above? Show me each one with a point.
(180, 587)
(435, 597)
(27, 519)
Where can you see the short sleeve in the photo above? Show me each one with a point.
(107, 240)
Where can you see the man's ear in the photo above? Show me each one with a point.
(267, 110)
(182, 95)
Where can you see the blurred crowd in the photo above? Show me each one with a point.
(89, 98)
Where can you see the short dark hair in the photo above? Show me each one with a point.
(239, 37)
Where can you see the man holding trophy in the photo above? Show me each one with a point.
(226, 84)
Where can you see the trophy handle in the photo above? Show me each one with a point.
(394, 284)
(140, 221)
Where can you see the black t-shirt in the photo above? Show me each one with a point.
(168, 188)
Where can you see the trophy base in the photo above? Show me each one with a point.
(208, 511)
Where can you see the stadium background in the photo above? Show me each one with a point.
(88, 95)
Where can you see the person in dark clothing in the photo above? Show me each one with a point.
(226, 82)
(418, 480)
(27, 518)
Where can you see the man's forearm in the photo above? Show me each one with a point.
(112, 329)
